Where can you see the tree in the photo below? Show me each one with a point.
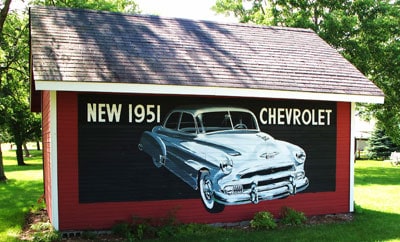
(126, 6)
(14, 91)
(3, 15)
(246, 11)
(380, 146)
(366, 32)
(20, 123)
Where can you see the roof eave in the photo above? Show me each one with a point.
(203, 91)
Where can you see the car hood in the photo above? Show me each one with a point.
(247, 146)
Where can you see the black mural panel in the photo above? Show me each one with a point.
(113, 168)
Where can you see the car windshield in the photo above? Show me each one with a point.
(227, 120)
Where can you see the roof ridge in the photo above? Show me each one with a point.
(152, 16)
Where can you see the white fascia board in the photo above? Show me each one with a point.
(201, 90)
(54, 160)
(352, 156)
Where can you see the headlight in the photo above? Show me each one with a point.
(299, 156)
(226, 166)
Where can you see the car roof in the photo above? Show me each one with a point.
(196, 110)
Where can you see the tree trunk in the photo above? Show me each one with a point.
(26, 150)
(38, 145)
(20, 155)
(3, 177)
(3, 14)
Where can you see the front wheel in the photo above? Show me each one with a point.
(207, 194)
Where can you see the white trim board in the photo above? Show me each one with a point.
(202, 91)
(54, 160)
(352, 156)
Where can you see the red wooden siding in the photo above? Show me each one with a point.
(46, 149)
(73, 215)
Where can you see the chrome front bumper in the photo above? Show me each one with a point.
(260, 191)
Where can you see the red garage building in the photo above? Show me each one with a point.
(103, 81)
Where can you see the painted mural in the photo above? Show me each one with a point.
(224, 151)
(221, 152)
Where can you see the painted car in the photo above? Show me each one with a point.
(221, 152)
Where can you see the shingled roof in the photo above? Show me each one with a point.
(83, 50)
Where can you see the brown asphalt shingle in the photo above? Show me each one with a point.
(89, 46)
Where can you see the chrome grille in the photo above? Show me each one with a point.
(268, 182)
(268, 171)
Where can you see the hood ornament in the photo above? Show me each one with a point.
(263, 137)
(269, 155)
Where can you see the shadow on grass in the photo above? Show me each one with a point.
(27, 167)
(34, 162)
(16, 199)
(371, 225)
(378, 176)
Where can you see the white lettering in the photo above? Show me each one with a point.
(272, 116)
(288, 116)
(328, 116)
(113, 112)
(321, 117)
(296, 116)
(140, 113)
(158, 113)
(102, 112)
(314, 121)
(130, 113)
(306, 114)
(288, 112)
(262, 111)
(91, 112)
(281, 116)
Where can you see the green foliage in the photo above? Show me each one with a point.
(246, 11)
(89, 235)
(188, 230)
(122, 229)
(263, 220)
(140, 228)
(358, 209)
(292, 217)
(161, 228)
(126, 6)
(380, 146)
(17, 122)
(44, 232)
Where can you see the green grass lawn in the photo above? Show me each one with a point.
(377, 195)
(21, 192)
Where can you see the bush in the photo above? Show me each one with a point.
(358, 209)
(45, 232)
(292, 217)
(122, 229)
(263, 220)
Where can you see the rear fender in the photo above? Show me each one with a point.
(152, 145)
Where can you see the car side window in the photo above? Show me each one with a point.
(173, 121)
(242, 120)
(187, 123)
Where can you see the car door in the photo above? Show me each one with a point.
(180, 160)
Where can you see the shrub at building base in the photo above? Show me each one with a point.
(263, 220)
(289, 216)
